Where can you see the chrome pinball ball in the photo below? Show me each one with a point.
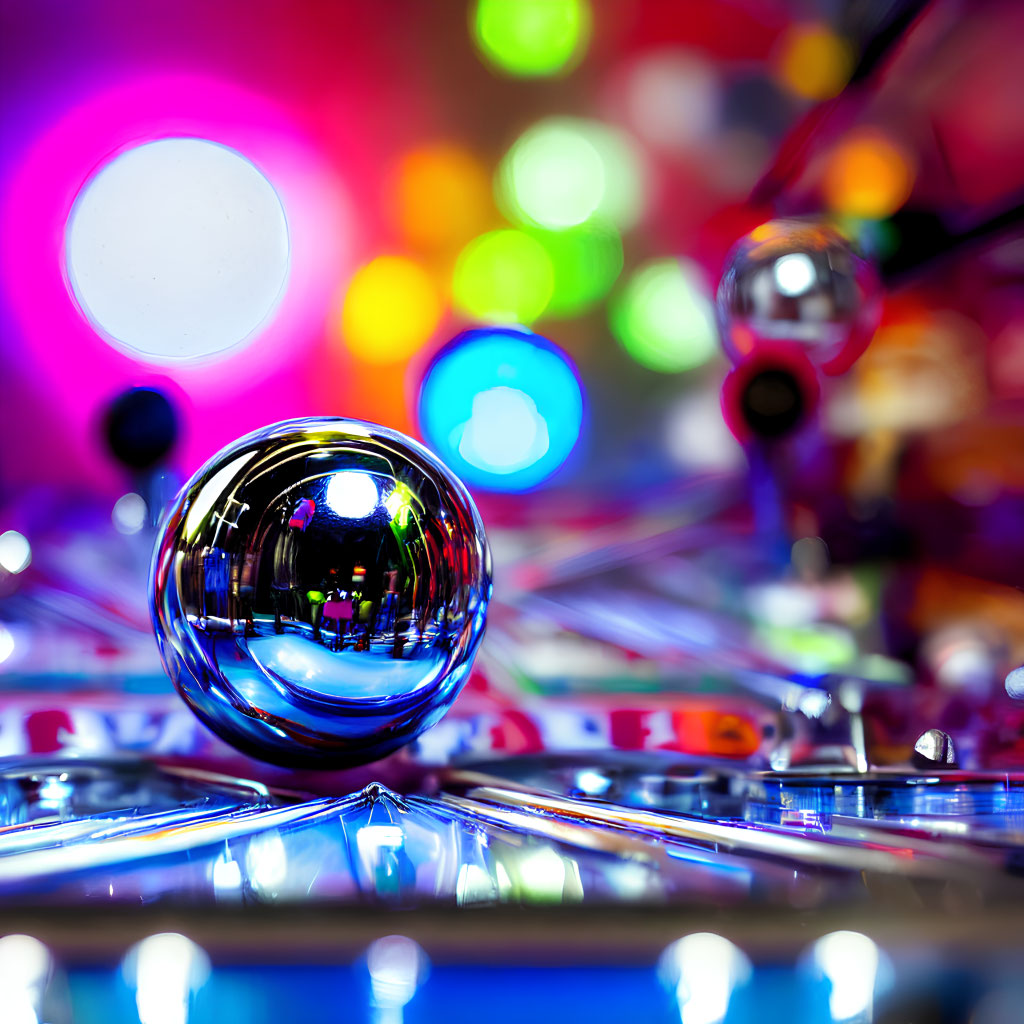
(319, 590)
(798, 281)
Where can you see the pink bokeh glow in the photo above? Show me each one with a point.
(58, 350)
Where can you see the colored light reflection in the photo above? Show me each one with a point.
(502, 407)
(440, 196)
(563, 171)
(867, 175)
(177, 249)
(586, 262)
(503, 277)
(532, 38)
(663, 317)
(813, 62)
(391, 308)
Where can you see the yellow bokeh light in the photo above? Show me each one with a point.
(867, 175)
(391, 309)
(440, 197)
(813, 62)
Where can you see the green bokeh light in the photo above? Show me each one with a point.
(586, 260)
(503, 277)
(532, 38)
(663, 317)
(564, 171)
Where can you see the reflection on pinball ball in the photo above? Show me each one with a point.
(318, 591)
(791, 280)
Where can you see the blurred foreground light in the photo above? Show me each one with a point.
(586, 262)
(397, 967)
(440, 196)
(663, 317)
(177, 250)
(702, 970)
(564, 171)
(165, 970)
(391, 309)
(15, 552)
(532, 38)
(502, 407)
(849, 961)
(813, 62)
(129, 513)
(25, 969)
(867, 175)
(503, 277)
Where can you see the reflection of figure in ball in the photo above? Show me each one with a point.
(790, 280)
(283, 514)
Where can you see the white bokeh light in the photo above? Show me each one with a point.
(703, 970)
(25, 968)
(129, 513)
(177, 250)
(15, 552)
(397, 967)
(165, 970)
(850, 961)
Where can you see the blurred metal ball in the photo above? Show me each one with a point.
(318, 591)
(791, 280)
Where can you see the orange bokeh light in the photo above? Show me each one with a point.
(440, 197)
(867, 175)
(813, 62)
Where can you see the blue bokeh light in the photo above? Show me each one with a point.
(503, 407)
